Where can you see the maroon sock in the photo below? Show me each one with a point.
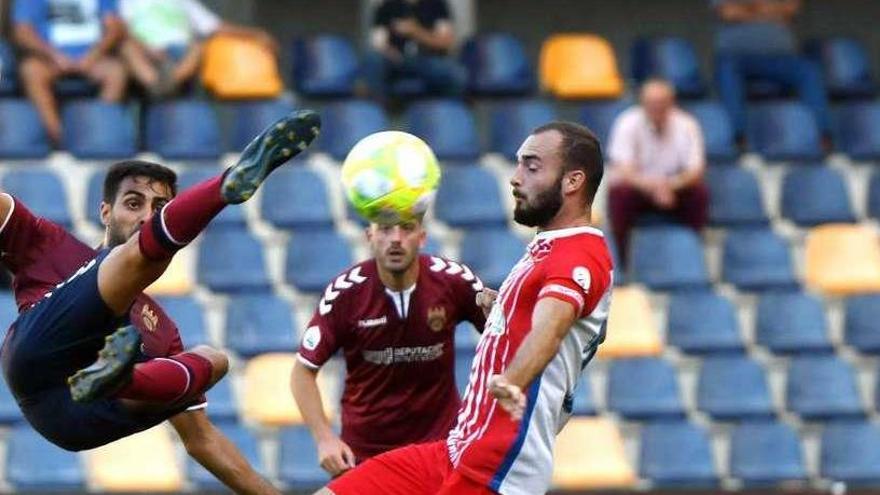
(181, 220)
(168, 380)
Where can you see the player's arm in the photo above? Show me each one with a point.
(207, 445)
(6, 205)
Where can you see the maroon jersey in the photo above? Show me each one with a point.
(399, 351)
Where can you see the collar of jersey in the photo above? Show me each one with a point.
(555, 234)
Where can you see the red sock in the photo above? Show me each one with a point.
(181, 220)
(168, 380)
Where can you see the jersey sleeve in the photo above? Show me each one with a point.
(21, 234)
(578, 275)
(324, 334)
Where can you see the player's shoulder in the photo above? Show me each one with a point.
(449, 271)
(580, 244)
(349, 284)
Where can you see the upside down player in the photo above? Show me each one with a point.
(73, 300)
(544, 327)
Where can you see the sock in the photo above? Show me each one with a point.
(168, 380)
(181, 220)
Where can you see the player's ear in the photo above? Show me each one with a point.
(573, 181)
(105, 213)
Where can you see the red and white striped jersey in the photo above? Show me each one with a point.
(486, 445)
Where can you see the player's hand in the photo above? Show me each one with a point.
(509, 396)
(335, 456)
(485, 299)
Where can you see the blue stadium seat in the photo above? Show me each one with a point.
(97, 130)
(672, 58)
(733, 387)
(619, 270)
(314, 258)
(251, 117)
(9, 84)
(466, 337)
(791, 323)
(734, 198)
(448, 126)
(75, 86)
(668, 258)
(512, 122)
(703, 322)
(757, 259)
(232, 215)
(497, 65)
(583, 402)
(600, 115)
(346, 122)
(676, 454)
(183, 130)
(8, 311)
(822, 387)
(9, 411)
(783, 131)
(468, 197)
(324, 66)
(846, 65)
(851, 453)
(221, 402)
(259, 323)
(874, 196)
(189, 316)
(816, 195)
(298, 465)
(231, 260)
(491, 253)
(856, 128)
(296, 198)
(94, 196)
(766, 453)
(43, 193)
(644, 388)
(463, 361)
(33, 464)
(247, 444)
(21, 132)
(718, 134)
(860, 323)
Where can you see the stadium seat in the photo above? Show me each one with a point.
(185, 129)
(757, 259)
(298, 465)
(765, 453)
(21, 132)
(703, 323)
(856, 128)
(816, 195)
(245, 441)
(35, 465)
(783, 131)
(733, 387)
(222, 405)
(324, 66)
(232, 215)
(94, 196)
(583, 402)
(491, 253)
(8, 310)
(259, 323)
(600, 115)
(42, 191)
(231, 260)
(9, 410)
(315, 258)
(846, 66)
(468, 197)
(466, 337)
(676, 454)
(590, 454)
(9, 84)
(644, 388)
(792, 323)
(822, 387)
(632, 330)
(464, 358)
(672, 58)
(447, 126)
(189, 316)
(860, 323)
(668, 258)
(497, 65)
(239, 67)
(178, 279)
(734, 198)
(267, 401)
(718, 134)
(512, 122)
(346, 122)
(251, 117)
(579, 66)
(97, 130)
(842, 259)
(122, 465)
(296, 198)
(850, 453)
(874, 196)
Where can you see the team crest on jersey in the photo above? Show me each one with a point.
(311, 338)
(436, 318)
(151, 321)
(581, 276)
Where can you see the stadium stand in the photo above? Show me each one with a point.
(497, 65)
(120, 466)
(846, 66)
(232, 215)
(718, 134)
(259, 323)
(632, 330)
(579, 66)
(21, 133)
(822, 387)
(513, 121)
(792, 323)
(672, 58)
(346, 122)
(324, 66)
(676, 454)
(491, 253)
(267, 401)
(860, 323)
(591, 438)
(733, 387)
(35, 465)
(644, 389)
(236, 67)
(252, 116)
(296, 199)
(298, 464)
(851, 453)
(246, 442)
(766, 453)
(468, 197)
(97, 130)
(189, 316)
(735, 198)
(42, 190)
(448, 126)
(668, 258)
(314, 258)
(171, 135)
(220, 245)
(784, 131)
(816, 195)
(757, 259)
(842, 259)
(857, 130)
(703, 323)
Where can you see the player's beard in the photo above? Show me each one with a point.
(117, 235)
(542, 209)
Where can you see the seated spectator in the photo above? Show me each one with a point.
(657, 162)
(164, 48)
(755, 41)
(61, 38)
(413, 39)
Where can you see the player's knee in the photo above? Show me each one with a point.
(33, 70)
(219, 361)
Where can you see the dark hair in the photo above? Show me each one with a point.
(580, 150)
(137, 168)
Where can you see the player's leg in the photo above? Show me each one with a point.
(457, 484)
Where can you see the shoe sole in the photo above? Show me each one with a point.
(273, 147)
(114, 360)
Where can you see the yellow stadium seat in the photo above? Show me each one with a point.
(580, 66)
(146, 462)
(590, 454)
(842, 259)
(632, 330)
(267, 399)
(235, 67)
(177, 279)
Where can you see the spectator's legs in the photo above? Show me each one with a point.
(188, 65)
(111, 76)
(626, 204)
(375, 71)
(441, 75)
(141, 66)
(732, 90)
(692, 205)
(37, 76)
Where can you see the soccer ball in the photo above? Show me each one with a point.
(390, 177)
